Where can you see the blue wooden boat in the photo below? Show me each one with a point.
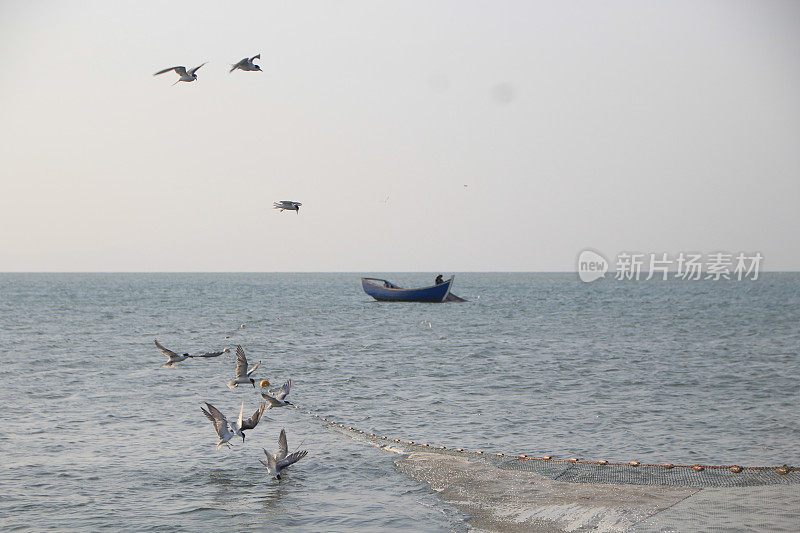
(386, 291)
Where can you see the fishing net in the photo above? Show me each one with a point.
(516, 493)
(579, 471)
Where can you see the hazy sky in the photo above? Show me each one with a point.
(639, 126)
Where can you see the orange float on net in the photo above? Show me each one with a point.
(634, 463)
(735, 469)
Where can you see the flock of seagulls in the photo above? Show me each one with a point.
(226, 429)
(246, 64)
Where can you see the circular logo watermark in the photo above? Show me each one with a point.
(591, 266)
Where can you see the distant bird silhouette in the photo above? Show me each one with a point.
(246, 64)
(287, 205)
(182, 72)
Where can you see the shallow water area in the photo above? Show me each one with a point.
(104, 437)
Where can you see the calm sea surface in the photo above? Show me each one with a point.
(96, 434)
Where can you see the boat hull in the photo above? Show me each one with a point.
(434, 293)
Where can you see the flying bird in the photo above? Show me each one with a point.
(182, 72)
(278, 400)
(276, 463)
(246, 64)
(220, 425)
(240, 426)
(287, 205)
(242, 374)
(175, 358)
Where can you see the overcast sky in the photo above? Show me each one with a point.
(638, 126)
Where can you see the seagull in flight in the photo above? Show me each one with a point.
(220, 425)
(182, 72)
(277, 400)
(246, 64)
(242, 375)
(276, 463)
(175, 358)
(287, 205)
(240, 426)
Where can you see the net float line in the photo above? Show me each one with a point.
(758, 475)
(782, 470)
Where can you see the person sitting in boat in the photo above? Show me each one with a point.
(439, 279)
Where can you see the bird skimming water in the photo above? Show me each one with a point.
(182, 72)
(175, 358)
(276, 463)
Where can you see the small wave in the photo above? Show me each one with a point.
(193, 510)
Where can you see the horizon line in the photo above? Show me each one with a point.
(329, 271)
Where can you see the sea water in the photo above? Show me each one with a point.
(97, 435)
